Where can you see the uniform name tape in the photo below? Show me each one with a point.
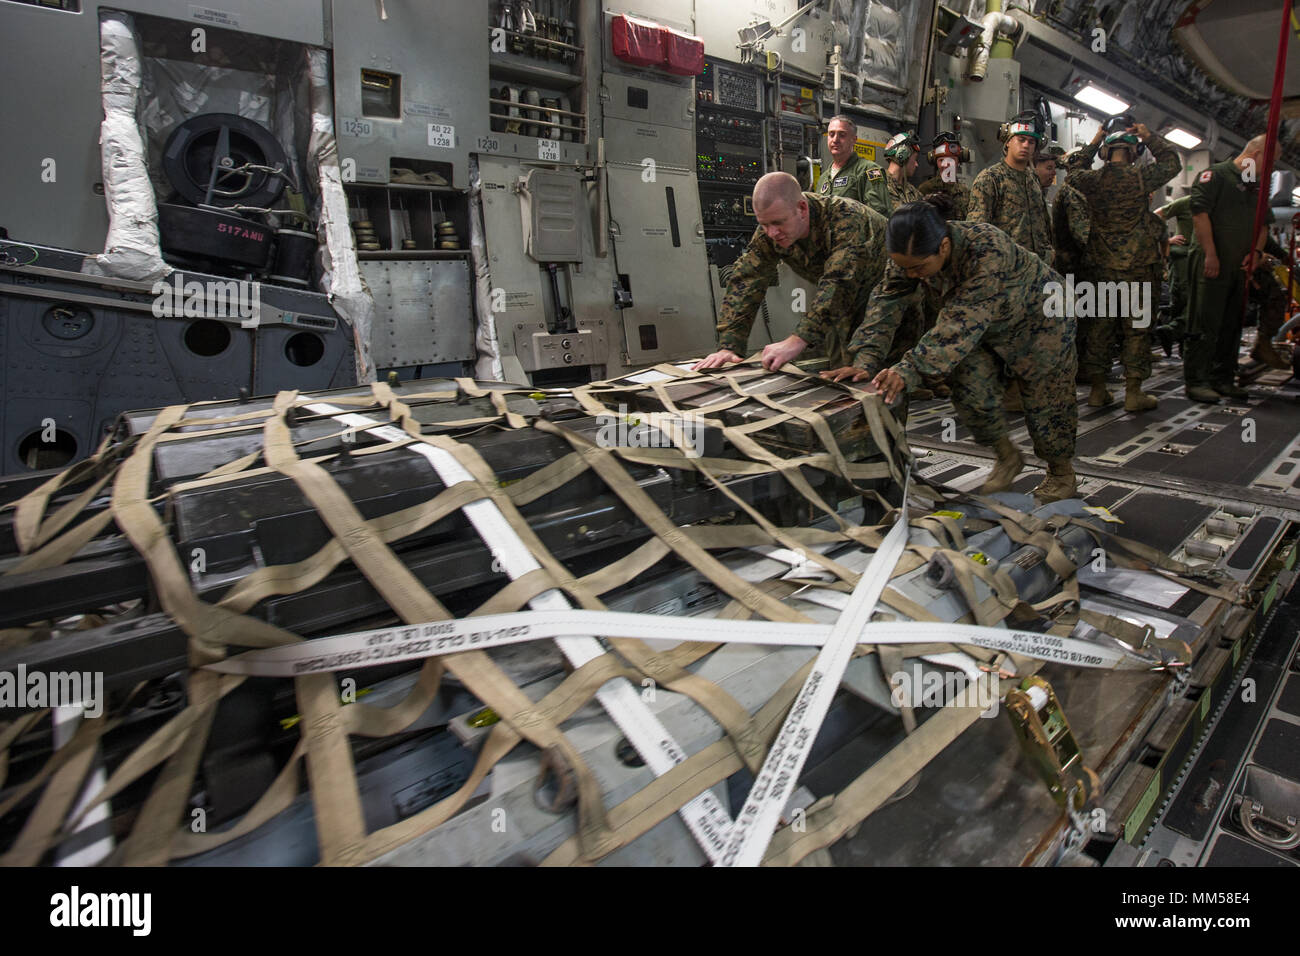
(703, 815)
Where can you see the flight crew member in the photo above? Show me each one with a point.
(852, 176)
(1008, 195)
(1223, 213)
(1180, 211)
(901, 151)
(946, 153)
(1122, 248)
(837, 243)
(989, 297)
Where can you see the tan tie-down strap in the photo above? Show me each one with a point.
(326, 724)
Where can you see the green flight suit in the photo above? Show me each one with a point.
(862, 180)
(1214, 305)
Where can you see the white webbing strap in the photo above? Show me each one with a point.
(761, 813)
(414, 642)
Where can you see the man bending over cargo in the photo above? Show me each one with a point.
(837, 243)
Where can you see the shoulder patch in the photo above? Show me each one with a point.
(874, 174)
(1206, 176)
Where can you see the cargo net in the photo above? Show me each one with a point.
(459, 543)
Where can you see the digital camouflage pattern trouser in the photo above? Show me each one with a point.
(1100, 334)
(1051, 412)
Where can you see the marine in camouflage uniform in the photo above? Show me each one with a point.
(1122, 248)
(959, 193)
(901, 152)
(862, 180)
(1012, 200)
(902, 192)
(843, 253)
(1071, 224)
(947, 155)
(991, 325)
(1271, 298)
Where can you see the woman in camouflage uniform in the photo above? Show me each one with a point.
(992, 324)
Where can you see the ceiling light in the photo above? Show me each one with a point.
(1180, 137)
(1099, 99)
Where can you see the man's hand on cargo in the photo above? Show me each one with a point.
(718, 359)
(890, 384)
(779, 353)
(851, 372)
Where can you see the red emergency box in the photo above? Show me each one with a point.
(638, 42)
(683, 53)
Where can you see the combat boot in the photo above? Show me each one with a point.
(1100, 397)
(1228, 390)
(1059, 484)
(1136, 400)
(1265, 353)
(1008, 465)
(1202, 393)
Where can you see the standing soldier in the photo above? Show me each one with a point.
(1223, 213)
(837, 243)
(1272, 299)
(946, 153)
(852, 176)
(988, 295)
(1008, 194)
(1071, 223)
(1045, 164)
(1122, 248)
(901, 151)
(1180, 210)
